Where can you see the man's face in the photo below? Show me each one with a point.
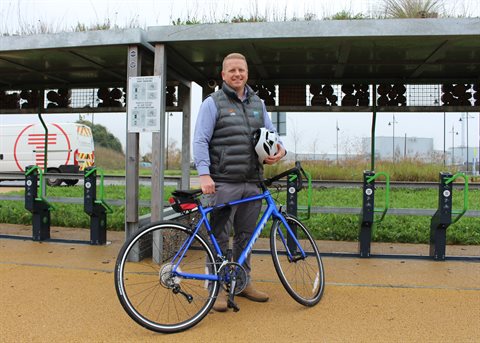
(235, 73)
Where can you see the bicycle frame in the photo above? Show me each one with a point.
(271, 211)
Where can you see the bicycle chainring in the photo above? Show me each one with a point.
(232, 270)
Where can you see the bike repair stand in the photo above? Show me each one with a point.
(367, 213)
(292, 205)
(96, 209)
(37, 205)
(442, 218)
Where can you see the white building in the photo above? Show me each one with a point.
(397, 148)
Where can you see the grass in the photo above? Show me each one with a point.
(413, 170)
(109, 160)
(394, 228)
(405, 229)
(352, 169)
(412, 8)
(254, 12)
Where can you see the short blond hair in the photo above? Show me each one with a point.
(233, 56)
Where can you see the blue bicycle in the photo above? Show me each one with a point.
(168, 275)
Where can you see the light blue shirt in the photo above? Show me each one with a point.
(206, 120)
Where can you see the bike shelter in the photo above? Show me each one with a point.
(366, 66)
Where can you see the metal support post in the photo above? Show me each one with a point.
(367, 214)
(441, 219)
(132, 154)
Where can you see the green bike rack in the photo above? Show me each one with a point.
(37, 204)
(308, 207)
(294, 185)
(292, 195)
(461, 212)
(387, 194)
(367, 214)
(442, 218)
(97, 209)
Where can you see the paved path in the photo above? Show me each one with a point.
(56, 292)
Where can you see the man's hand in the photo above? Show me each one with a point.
(206, 184)
(277, 157)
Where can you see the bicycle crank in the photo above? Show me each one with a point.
(233, 271)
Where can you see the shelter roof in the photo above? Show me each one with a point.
(367, 51)
(76, 59)
(406, 50)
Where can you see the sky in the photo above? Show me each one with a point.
(56, 15)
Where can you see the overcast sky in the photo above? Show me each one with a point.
(58, 15)
(64, 14)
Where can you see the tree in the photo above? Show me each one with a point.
(296, 136)
(102, 137)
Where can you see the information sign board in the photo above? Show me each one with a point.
(143, 103)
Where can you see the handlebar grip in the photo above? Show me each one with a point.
(305, 176)
(300, 181)
(269, 181)
(297, 170)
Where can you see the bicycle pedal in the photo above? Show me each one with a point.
(231, 304)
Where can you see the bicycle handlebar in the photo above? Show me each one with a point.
(297, 170)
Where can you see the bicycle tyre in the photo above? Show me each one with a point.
(303, 279)
(150, 294)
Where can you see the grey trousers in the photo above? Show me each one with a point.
(242, 218)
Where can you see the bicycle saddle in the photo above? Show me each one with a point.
(187, 193)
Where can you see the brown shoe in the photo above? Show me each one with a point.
(221, 302)
(254, 294)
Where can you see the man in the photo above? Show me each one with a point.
(226, 162)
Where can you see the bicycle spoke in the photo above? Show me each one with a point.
(300, 277)
(151, 292)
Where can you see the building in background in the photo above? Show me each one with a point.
(398, 148)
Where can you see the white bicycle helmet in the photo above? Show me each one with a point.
(265, 142)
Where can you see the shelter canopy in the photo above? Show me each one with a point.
(406, 50)
(69, 59)
(369, 51)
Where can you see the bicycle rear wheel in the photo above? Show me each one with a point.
(302, 277)
(148, 289)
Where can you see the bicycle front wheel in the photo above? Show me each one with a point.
(150, 290)
(301, 275)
